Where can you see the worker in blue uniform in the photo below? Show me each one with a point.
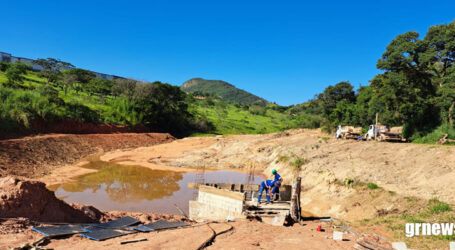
(277, 180)
(266, 185)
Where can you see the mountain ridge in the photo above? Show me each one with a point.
(219, 88)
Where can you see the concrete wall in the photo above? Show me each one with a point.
(217, 204)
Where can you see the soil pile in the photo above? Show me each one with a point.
(31, 199)
(34, 157)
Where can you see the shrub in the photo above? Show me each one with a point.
(372, 185)
(4, 66)
(437, 206)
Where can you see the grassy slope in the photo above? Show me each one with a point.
(228, 120)
(236, 120)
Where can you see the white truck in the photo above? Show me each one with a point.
(348, 132)
(384, 133)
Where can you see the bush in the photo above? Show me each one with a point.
(372, 185)
(435, 135)
(202, 125)
(4, 66)
(257, 110)
(437, 206)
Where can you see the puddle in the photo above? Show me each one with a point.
(139, 189)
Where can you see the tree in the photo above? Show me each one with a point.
(69, 80)
(446, 102)
(163, 107)
(15, 71)
(52, 68)
(124, 87)
(99, 86)
(440, 54)
(4, 66)
(334, 94)
(82, 75)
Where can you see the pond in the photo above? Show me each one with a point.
(140, 189)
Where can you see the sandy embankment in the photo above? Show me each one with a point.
(423, 171)
(37, 156)
(405, 169)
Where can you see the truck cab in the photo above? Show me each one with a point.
(339, 132)
(375, 130)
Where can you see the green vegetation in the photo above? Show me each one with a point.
(70, 93)
(222, 117)
(372, 185)
(220, 89)
(416, 89)
(415, 210)
(51, 96)
(437, 206)
(293, 160)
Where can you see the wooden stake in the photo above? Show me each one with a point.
(295, 200)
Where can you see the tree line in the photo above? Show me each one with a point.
(416, 89)
(159, 106)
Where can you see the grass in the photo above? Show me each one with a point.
(435, 135)
(298, 162)
(282, 158)
(372, 185)
(230, 119)
(414, 210)
(226, 118)
(437, 206)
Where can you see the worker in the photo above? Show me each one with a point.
(277, 180)
(266, 185)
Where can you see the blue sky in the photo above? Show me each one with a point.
(284, 51)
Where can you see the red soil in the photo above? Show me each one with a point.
(36, 156)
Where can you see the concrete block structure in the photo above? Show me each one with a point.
(217, 201)
(217, 204)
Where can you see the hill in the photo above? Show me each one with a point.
(30, 104)
(219, 88)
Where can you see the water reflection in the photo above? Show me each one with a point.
(126, 183)
(134, 188)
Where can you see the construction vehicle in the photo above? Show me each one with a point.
(384, 133)
(348, 132)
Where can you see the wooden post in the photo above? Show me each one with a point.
(376, 127)
(295, 200)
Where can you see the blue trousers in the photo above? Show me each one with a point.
(276, 188)
(261, 189)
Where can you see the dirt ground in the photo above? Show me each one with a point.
(36, 156)
(244, 235)
(402, 170)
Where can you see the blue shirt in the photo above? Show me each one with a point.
(277, 178)
(269, 183)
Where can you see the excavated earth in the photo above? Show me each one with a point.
(407, 170)
(37, 156)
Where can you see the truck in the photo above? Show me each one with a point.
(348, 132)
(384, 133)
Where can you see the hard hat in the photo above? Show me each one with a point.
(274, 171)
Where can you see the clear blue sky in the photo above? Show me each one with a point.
(284, 51)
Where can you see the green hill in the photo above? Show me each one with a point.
(221, 89)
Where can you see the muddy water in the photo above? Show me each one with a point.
(139, 189)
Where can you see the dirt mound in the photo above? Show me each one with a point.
(31, 199)
(73, 127)
(36, 156)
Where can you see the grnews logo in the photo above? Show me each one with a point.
(435, 229)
